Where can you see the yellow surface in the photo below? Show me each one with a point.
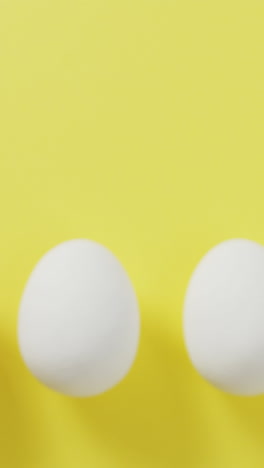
(140, 125)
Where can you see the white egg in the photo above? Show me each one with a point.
(78, 326)
(224, 317)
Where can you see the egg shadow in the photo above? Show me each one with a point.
(248, 414)
(23, 441)
(154, 418)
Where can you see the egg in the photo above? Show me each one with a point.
(78, 324)
(224, 317)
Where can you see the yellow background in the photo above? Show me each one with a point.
(140, 125)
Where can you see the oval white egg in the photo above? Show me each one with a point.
(224, 317)
(78, 326)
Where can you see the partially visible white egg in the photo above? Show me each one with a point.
(78, 326)
(224, 317)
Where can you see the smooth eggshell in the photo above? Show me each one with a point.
(78, 325)
(224, 317)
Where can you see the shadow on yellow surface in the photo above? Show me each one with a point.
(23, 438)
(155, 417)
(164, 412)
(161, 413)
